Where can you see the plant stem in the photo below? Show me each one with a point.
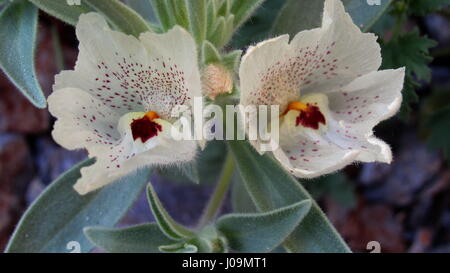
(216, 200)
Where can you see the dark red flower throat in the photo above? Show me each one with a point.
(145, 128)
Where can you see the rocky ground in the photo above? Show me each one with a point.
(404, 206)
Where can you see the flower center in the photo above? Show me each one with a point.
(310, 115)
(145, 128)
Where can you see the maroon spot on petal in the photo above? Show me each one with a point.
(144, 128)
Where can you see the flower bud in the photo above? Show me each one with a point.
(216, 80)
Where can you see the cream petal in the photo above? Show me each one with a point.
(306, 157)
(352, 137)
(174, 56)
(316, 61)
(359, 106)
(116, 161)
(339, 54)
(262, 82)
(111, 66)
(369, 99)
(82, 120)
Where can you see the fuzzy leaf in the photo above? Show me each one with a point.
(271, 187)
(232, 60)
(298, 15)
(242, 10)
(211, 14)
(180, 247)
(240, 199)
(209, 53)
(228, 32)
(120, 16)
(219, 32)
(164, 14)
(145, 238)
(224, 7)
(171, 229)
(18, 23)
(144, 8)
(262, 232)
(62, 11)
(197, 18)
(59, 215)
(180, 12)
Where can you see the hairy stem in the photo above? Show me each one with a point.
(216, 200)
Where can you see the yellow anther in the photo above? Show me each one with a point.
(296, 105)
(151, 115)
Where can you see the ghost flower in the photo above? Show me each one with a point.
(118, 100)
(330, 93)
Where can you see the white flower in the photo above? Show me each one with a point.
(329, 92)
(117, 102)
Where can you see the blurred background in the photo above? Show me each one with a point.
(404, 206)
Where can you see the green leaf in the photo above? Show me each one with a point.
(164, 13)
(197, 17)
(365, 15)
(224, 7)
(18, 23)
(409, 96)
(145, 238)
(211, 14)
(412, 51)
(59, 215)
(240, 199)
(423, 7)
(242, 10)
(144, 8)
(180, 12)
(166, 223)
(298, 15)
(120, 16)
(210, 161)
(228, 31)
(438, 124)
(219, 32)
(232, 60)
(62, 11)
(209, 53)
(262, 232)
(180, 247)
(271, 187)
(209, 240)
